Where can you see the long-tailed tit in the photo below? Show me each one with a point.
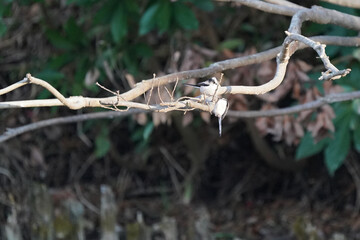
(208, 87)
(220, 109)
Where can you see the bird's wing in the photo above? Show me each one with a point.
(227, 109)
(203, 84)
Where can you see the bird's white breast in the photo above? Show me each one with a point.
(220, 107)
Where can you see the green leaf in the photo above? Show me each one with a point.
(58, 40)
(148, 19)
(163, 16)
(102, 144)
(356, 138)
(188, 192)
(141, 50)
(137, 135)
(343, 112)
(356, 54)
(356, 106)
(232, 44)
(338, 148)
(354, 122)
(82, 2)
(58, 61)
(73, 32)
(3, 28)
(118, 24)
(131, 6)
(308, 148)
(50, 75)
(148, 130)
(354, 76)
(105, 13)
(206, 5)
(184, 17)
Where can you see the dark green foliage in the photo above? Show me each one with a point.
(168, 16)
(308, 147)
(347, 129)
(102, 143)
(141, 137)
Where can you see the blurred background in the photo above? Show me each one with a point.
(170, 176)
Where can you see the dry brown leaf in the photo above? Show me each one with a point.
(321, 127)
(330, 88)
(160, 118)
(92, 76)
(327, 109)
(299, 130)
(302, 76)
(130, 79)
(205, 116)
(303, 66)
(187, 119)
(282, 128)
(36, 157)
(238, 102)
(191, 60)
(140, 118)
(266, 71)
(289, 135)
(264, 124)
(278, 129)
(296, 93)
(227, 53)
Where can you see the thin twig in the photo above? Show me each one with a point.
(84, 201)
(332, 72)
(14, 86)
(106, 89)
(173, 91)
(159, 94)
(168, 92)
(151, 90)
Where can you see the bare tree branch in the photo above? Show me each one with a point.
(13, 132)
(315, 14)
(285, 3)
(345, 3)
(332, 98)
(266, 7)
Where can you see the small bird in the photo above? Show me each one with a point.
(208, 87)
(220, 109)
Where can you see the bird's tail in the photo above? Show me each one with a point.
(220, 127)
(191, 85)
